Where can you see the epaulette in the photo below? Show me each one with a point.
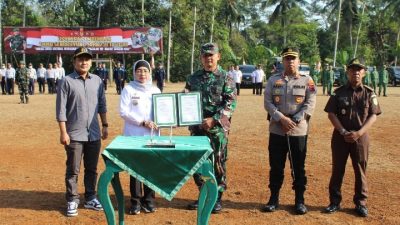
(369, 88)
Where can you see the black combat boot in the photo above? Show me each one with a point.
(300, 208)
(273, 202)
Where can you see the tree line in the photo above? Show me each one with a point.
(247, 31)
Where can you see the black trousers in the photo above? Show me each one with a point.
(238, 88)
(254, 88)
(89, 151)
(3, 85)
(51, 85)
(259, 88)
(41, 83)
(278, 151)
(31, 86)
(137, 198)
(10, 86)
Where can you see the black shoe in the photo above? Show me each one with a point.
(332, 208)
(217, 207)
(362, 210)
(193, 206)
(134, 210)
(270, 207)
(300, 208)
(149, 207)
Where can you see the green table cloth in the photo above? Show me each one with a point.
(165, 170)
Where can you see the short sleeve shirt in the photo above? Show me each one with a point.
(353, 106)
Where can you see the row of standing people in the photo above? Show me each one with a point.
(26, 77)
(289, 99)
(257, 78)
(373, 78)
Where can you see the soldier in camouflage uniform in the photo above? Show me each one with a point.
(17, 41)
(22, 78)
(290, 101)
(343, 76)
(218, 102)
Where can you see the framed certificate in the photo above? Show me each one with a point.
(189, 109)
(177, 109)
(164, 109)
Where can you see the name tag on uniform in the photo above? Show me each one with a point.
(277, 91)
(135, 100)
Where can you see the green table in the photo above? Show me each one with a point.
(165, 170)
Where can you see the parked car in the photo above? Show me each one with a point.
(394, 75)
(304, 69)
(247, 70)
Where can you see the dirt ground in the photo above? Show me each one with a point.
(32, 167)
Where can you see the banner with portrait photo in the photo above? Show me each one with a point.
(114, 40)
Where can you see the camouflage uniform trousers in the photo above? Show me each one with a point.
(219, 141)
(23, 92)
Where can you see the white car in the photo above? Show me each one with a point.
(304, 69)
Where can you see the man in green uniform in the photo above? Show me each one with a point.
(367, 78)
(325, 78)
(17, 41)
(22, 79)
(218, 95)
(330, 80)
(383, 80)
(315, 74)
(374, 78)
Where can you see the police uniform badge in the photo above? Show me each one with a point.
(343, 112)
(299, 99)
(278, 83)
(277, 99)
(374, 100)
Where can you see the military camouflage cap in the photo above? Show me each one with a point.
(290, 51)
(356, 62)
(82, 51)
(209, 48)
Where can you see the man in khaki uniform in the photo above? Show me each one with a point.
(290, 101)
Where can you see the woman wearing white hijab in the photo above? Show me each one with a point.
(136, 110)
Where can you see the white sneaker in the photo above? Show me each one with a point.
(72, 209)
(93, 204)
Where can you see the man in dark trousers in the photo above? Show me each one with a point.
(352, 111)
(159, 75)
(80, 102)
(119, 77)
(290, 100)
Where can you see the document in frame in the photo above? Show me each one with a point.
(189, 108)
(165, 110)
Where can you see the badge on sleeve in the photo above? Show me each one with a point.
(311, 85)
(374, 100)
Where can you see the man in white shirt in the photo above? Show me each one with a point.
(32, 79)
(10, 79)
(237, 77)
(3, 78)
(41, 77)
(231, 71)
(259, 78)
(51, 76)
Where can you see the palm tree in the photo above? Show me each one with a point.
(349, 11)
(280, 11)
